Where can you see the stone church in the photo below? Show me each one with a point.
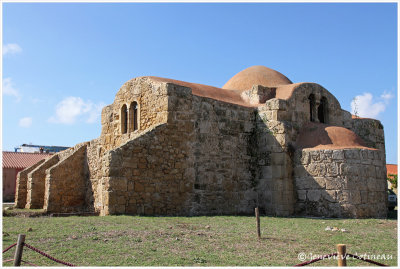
(169, 147)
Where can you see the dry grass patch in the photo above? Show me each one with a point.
(196, 241)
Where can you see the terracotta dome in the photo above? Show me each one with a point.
(324, 136)
(256, 75)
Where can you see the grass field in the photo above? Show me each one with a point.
(196, 241)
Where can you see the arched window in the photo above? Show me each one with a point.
(323, 111)
(311, 99)
(124, 119)
(133, 117)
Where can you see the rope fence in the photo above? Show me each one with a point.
(10, 247)
(342, 255)
(48, 256)
(366, 260)
(18, 253)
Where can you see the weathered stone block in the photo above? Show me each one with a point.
(372, 197)
(277, 171)
(305, 158)
(266, 172)
(313, 195)
(333, 183)
(343, 196)
(337, 155)
(139, 187)
(302, 195)
(316, 169)
(120, 184)
(316, 156)
(349, 169)
(329, 195)
(371, 183)
(335, 209)
(331, 169)
(352, 154)
(276, 104)
(320, 182)
(278, 158)
(349, 210)
(355, 197)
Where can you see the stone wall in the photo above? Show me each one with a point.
(36, 183)
(66, 182)
(152, 99)
(148, 175)
(274, 166)
(340, 183)
(95, 163)
(21, 189)
(198, 163)
(370, 130)
(152, 108)
(298, 105)
(222, 158)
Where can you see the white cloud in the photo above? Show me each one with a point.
(366, 106)
(386, 96)
(25, 122)
(71, 109)
(9, 89)
(95, 113)
(11, 48)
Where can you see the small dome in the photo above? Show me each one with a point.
(256, 75)
(323, 136)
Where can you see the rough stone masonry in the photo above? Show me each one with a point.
(170, 147)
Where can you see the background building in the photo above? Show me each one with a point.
(36, 148)
(13, 162)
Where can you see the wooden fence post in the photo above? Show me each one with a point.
(258, 223)
(341, 249)
(19, 249)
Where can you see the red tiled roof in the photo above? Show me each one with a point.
(391, 169)
(22, 159)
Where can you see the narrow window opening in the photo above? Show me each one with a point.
(322, 111)
(311, 99)
(124, 119)
(133, 117)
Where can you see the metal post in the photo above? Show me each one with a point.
(19, 249)
(341, 249)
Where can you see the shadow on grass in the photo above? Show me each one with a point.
(277, 239)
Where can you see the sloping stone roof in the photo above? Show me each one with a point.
(242, 81)
(224, 95)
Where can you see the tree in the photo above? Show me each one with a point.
(392, 178)
(355, 108)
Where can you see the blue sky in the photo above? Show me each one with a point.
(62, 62)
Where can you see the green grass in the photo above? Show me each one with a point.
(195, 241)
